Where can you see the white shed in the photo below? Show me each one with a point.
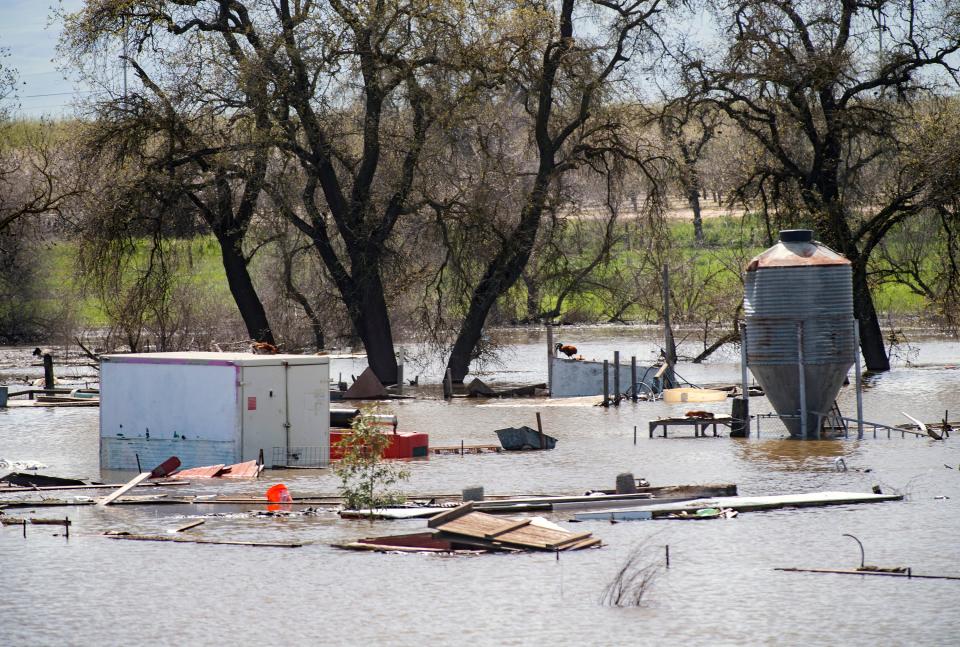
(211, 408)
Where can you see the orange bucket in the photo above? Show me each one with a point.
(278, 494)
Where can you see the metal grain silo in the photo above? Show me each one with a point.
(798, 304)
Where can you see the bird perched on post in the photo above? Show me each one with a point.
(263, 348)
(567, 349)
(40, 352)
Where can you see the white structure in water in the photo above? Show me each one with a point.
(573, 378)
(211, 408)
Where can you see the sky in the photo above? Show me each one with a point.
(31, 42)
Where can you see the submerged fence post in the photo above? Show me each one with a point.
(633, 376)
(616, 377)
(400, 372)
(606, 383)
(802, 381)
(447, 385)
(859, 384)
(48, 378)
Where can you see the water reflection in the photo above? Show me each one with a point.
(790, 455)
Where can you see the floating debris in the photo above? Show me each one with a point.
(185, 540)
(465, 529)
(524, 438)
(738, 503)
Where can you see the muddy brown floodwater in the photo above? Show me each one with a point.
(720, 589)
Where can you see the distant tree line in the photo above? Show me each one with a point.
(435, 168)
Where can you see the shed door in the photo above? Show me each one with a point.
(262, 403)
(309, 411)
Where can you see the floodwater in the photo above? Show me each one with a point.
(720, 588)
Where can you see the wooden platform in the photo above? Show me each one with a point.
(700, 425)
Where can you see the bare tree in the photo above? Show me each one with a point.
(821, 86)
(563, 84)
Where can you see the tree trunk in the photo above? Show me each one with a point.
(502, 272)
(693, 197)
(371, 320)
(871, 336)
(244, 293)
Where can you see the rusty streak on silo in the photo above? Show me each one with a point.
(799, 285)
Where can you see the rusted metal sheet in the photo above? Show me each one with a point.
(207, 472)
(248, 470)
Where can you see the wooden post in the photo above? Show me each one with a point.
(606, 383)
(447, 385)
(47, 371)
(634, 434)
(668, 554)
(543, 439)
(551, 353)
(400, 372)
(66, 525)
(633, 376)
(859, 384)
(616, 377)
(802, 378)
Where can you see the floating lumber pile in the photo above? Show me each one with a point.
(738, 503)
(464, 524)
(464, 529)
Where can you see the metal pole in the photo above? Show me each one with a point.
(551, 353)
(744, 377)
(802, 380)
(616, 377)
(859, 385)
(633, 376)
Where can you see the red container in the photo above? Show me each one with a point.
(403, 444)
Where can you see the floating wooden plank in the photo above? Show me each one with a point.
(93, 486)
(132, 483)
(508, 528)
(739, 503)
(922, 427)
(909, 576)
(186, 540)
(188, 526)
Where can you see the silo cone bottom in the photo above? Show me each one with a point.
(823, 382)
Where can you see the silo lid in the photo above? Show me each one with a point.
(796, 249)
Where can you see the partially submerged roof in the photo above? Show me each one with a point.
(215, 359)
